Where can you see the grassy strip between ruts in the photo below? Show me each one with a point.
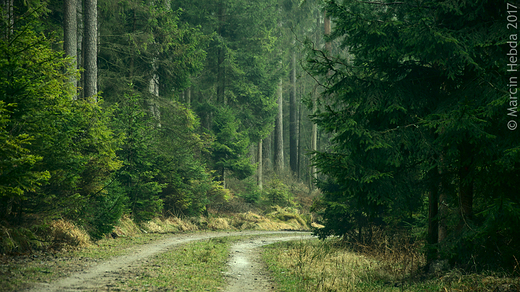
(324, 266)
(196, 266)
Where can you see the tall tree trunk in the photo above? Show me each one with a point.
(188, 96)
(278, 136)
(70, 39)
(8, 17)
(266, 151)
(223, 177)
(80, 57)
(433, 215)
(260, 175)
(90, 44)
(443, 214)
(293, 107)
(327, 30)
(465, 186)
(299, 140)
(314, 140)
(221, 70)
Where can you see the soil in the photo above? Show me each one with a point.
(246, 270)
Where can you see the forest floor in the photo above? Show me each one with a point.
(244, 271)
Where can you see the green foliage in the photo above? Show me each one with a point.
(16, 167)
(231, 146)
(277, 193)
(416, 106)
(59, 152)
(137, 177)
(140, 39)
(235, 93)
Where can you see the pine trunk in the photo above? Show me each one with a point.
(293, 107)
(465, 185)
(299, 140)
(443, 214)
(221, 54)
(80, 57)
(70, 35)
(327, 30)
(278, 136)
(260, 169)
(266, 151)
(188, 96)
(314, 140)
(8, 17)
(433, 215)
(90, 44)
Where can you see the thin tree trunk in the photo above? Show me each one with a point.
(80, 57)
(90, 48)
(70, 36)
(466, 195)
(327, 30)
(188, 96)
(433, 215)
(223, 176)
(465, 184)
(293, 151)
(314, 140)
(8, 17)
(278, 136)
(260, 170)
(299, 140)
(443, 214)
(221, 71)
(266, 151)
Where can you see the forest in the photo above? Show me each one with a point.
(392, 116)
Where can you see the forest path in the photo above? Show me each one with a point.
(100, 276)
(247, 271)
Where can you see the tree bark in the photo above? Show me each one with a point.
(443, 213)
(260, 166)
(433, 215)
(90, 43)
(293, 107)
(266, 151)
(314, 140)
(70, 35)
(327, 30)
(465, 184)
(278, 136)
(80, 56)
(8, 17)
(221, 70)
(188, 96)
(299, 166)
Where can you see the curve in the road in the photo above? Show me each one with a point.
(98, 276)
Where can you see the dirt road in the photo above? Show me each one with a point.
(246, 269)
(245, 265)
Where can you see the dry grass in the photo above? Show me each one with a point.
(318, 266)
(398, 253)
(168, 225)
(390, 263)
(249, 220)
(65, 234)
